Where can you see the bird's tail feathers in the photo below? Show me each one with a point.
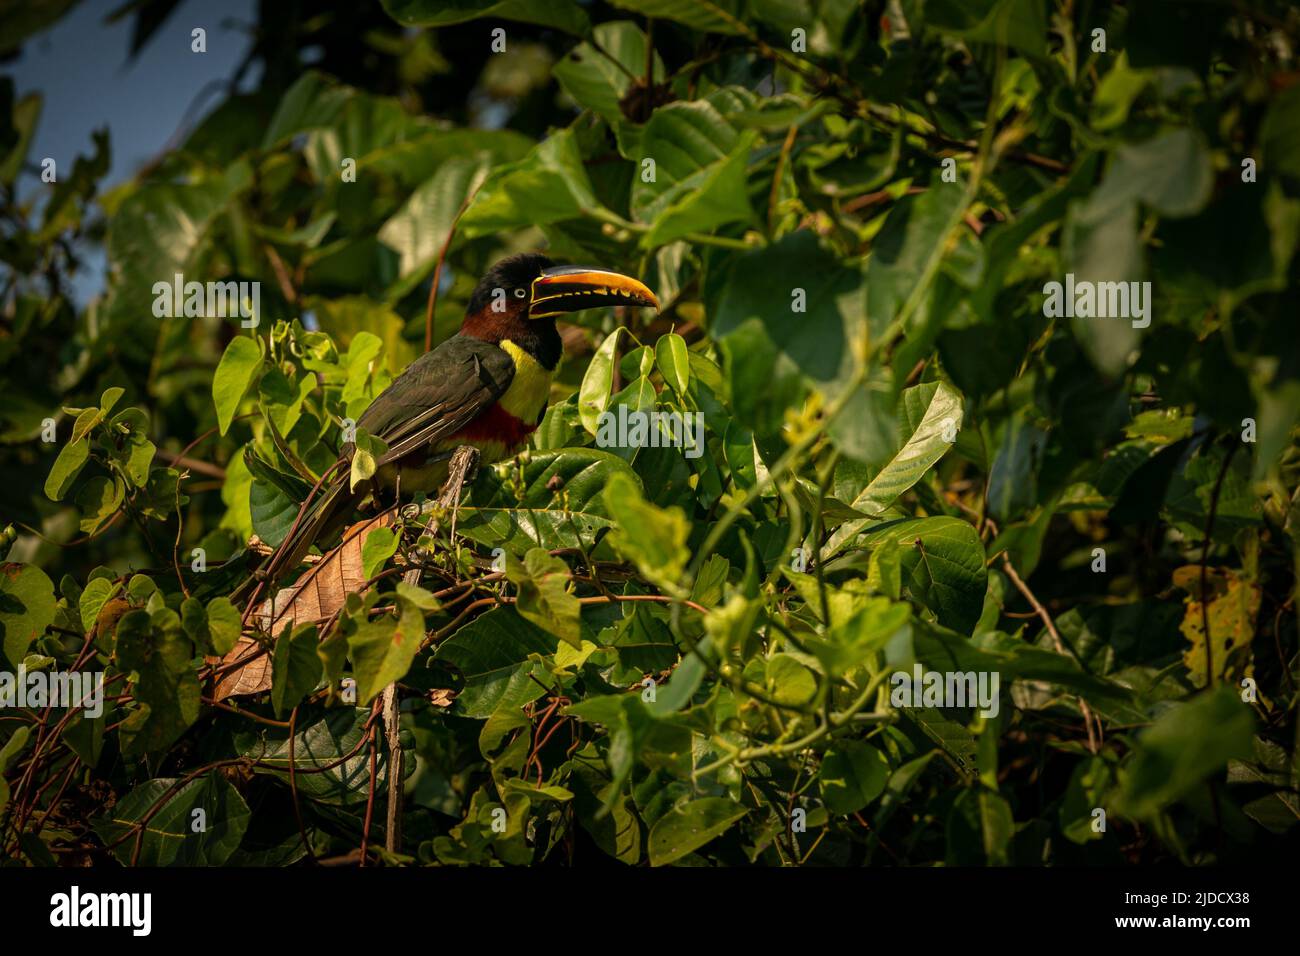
(321, 519)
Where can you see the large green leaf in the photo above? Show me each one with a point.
(295, 668)
(597, 382)
(562, 14)
(912, 236)
(418, 231)
(1018, 23)
(1013, 479)
(382, 647)
(166, 687)
(595, 82)
(1189, 742)
(315, 100)
(26, 608)
(161, 231)
(698, 175)
(688, 827)
(200, 824)
(789, 311)
(852, 774)
(235, 372)
(558, 503)
(716, 16)
(548, 185)
(332, 763)
(943, 566)
(941, 649)
(72, 458)
(488, 651)
(544, 596)
(930, 414)
(653, 538)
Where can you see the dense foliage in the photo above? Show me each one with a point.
(912, 456)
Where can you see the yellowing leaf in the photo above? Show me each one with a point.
(1233, 604)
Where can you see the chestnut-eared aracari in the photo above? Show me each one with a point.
(487, 387)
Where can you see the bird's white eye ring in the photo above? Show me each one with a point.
(520, 293)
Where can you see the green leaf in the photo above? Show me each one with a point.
(942, 415)
(516, 517)
(593, 394)
(1170, 172)
(418, 231)
(282, 397)
(87, 420)
(562, 14)
(379, 546)
(366, 452)
(93, 598)
(271, 511)
(943, 566)
(161, 230)
(1085, 792)
(508, 716)
(712, 196)
(770, 346)
(224, 625)
(487, 651)
(314, 101)
(1189, 742)
(878, 624)
(72, 457)
(200, 824)
(548, 185)
(1104, 247)
(673, 359)
(166, 686)
(1021, 24)
(699, 172)
(688, 827)
(941, 649)
(716, 16)
(593, 81)
(332, 765)
(913, 234)
(295, 668)
(1013, 479)
(27, 605)
(109, 398)
(382, 648)
(852, 774)
(790, 683)
(544, 597)
(235, 373)
(99, 500)
(136, 456)
(651, 537)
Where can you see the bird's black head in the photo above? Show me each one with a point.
(513, 276)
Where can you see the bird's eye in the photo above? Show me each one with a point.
(520, 293)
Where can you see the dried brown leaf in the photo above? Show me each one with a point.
(315, 597)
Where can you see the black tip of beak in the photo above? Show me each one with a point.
(572, 288)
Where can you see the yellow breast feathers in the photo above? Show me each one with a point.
(529, 389)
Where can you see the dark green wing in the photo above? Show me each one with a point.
(439, 394)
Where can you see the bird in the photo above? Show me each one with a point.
(487, 386)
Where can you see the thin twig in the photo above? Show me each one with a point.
(1089, 718)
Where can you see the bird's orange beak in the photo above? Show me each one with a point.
(572, 288)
